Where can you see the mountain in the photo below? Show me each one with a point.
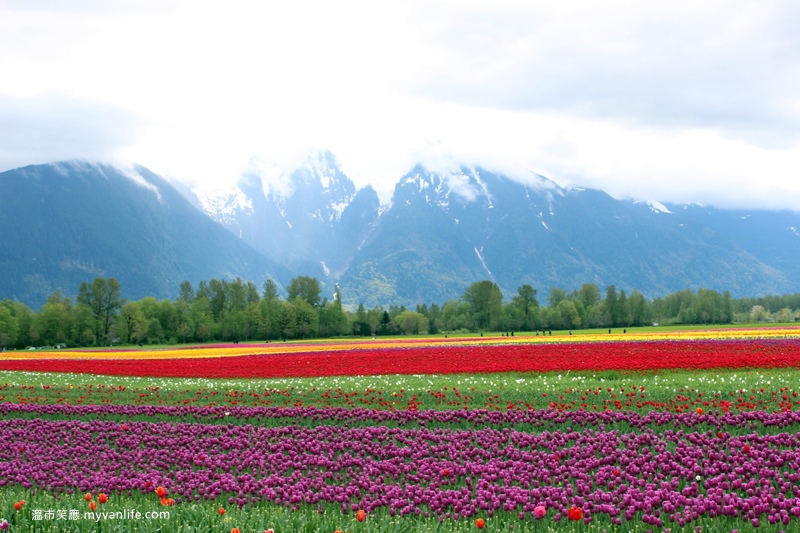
(69, 222)
(311, 219)
(65, 223)
(447, 230)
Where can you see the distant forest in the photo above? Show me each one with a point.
(232, 311)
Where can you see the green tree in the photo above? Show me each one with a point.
(9, 327)
(485, 303)
(361, 321)
(133, 323)
(455, 315)
(55, 319)
(202, 317)
(569, 315)
(556, 296)
(102, 297)
(184, 327)
(186, 292)
(375, 319)
(613, 309)
(526, 302)
(336, 318)
(287, 320)
(304, 288)
(412, 322)
(168, 317)
(637, 309)
(588, 295)
(269, 300)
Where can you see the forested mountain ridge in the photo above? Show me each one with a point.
(443, 229)
(66, 223)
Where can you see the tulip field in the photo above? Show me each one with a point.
(695, 431)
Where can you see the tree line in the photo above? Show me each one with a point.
(233, 311)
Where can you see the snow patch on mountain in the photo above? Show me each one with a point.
(337, 208)
(223, 205)
(479, 253)
(658, 207)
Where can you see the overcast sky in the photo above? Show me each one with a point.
(674, 101)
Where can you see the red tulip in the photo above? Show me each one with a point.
(575, 513)
(221, 511)
(88, 497)
(361, 515)
(102, 498)
(479, 523)
(161, 492)
(92, 506)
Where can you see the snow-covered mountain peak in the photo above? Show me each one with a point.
(323, 166)
(224, 205)
(323, 187)
(439, 186)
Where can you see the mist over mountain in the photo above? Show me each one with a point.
(69, 222)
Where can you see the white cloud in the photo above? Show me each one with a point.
(675, 102)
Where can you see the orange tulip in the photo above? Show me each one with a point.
(221, 511)
(92, 506)
(361, 515)
(88, 497)
(161, 491)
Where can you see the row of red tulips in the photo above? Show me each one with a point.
(623, 356)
